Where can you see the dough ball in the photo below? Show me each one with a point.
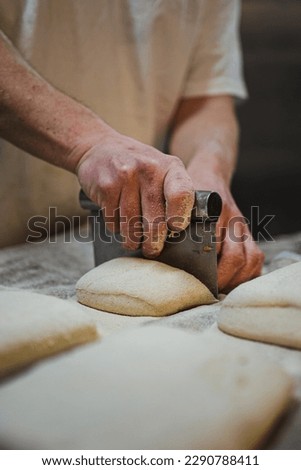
(34, 326)
(266, 309)
(140, 287)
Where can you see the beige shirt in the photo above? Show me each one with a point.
(130, 61)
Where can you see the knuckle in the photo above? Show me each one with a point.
(127, 171)
(107, 187)
(184, 195)
(176, 161)
(151, 171)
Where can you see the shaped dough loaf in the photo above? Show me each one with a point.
(267, 308)
(139, 287)
(35, 325)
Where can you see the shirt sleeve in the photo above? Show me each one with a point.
(216, 63)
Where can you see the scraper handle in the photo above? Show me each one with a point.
(208, 205)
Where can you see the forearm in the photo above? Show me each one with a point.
(205, 136)
(126, 178)
(40, 119)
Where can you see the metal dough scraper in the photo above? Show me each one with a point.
(193, 249)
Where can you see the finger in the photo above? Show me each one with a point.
(241, 260)
(106, 194)
(130, 218)
(154, 222)
(110, 212)
(232, 255)
(220, 236)
(253, 262)
(179, 197)
(231, 261)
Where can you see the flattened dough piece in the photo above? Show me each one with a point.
(140, 287)
(266, 309)
(277, 325)
(35, 325)
(147, 388)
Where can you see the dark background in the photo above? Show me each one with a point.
(269, 168)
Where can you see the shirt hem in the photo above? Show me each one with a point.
(218, 87)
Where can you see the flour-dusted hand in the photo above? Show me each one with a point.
(240, 259)
(143, 192)
(206, 136)
(133, 182)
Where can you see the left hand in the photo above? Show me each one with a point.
(205, 136)
(239, 257)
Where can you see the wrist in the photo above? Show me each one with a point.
(95, 132)
(210, 171)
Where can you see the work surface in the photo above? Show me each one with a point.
(54, 268)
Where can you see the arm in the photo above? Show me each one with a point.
(124, 176)
(205, 136)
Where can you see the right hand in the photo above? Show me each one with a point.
(135, 183)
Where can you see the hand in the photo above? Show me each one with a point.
(136, 183)
(205, 134)
(239, 258)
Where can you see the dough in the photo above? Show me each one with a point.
(280, 288)
(136, 286)
(277, 325)
(266, 309)
(34, 326)
(147, 388)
